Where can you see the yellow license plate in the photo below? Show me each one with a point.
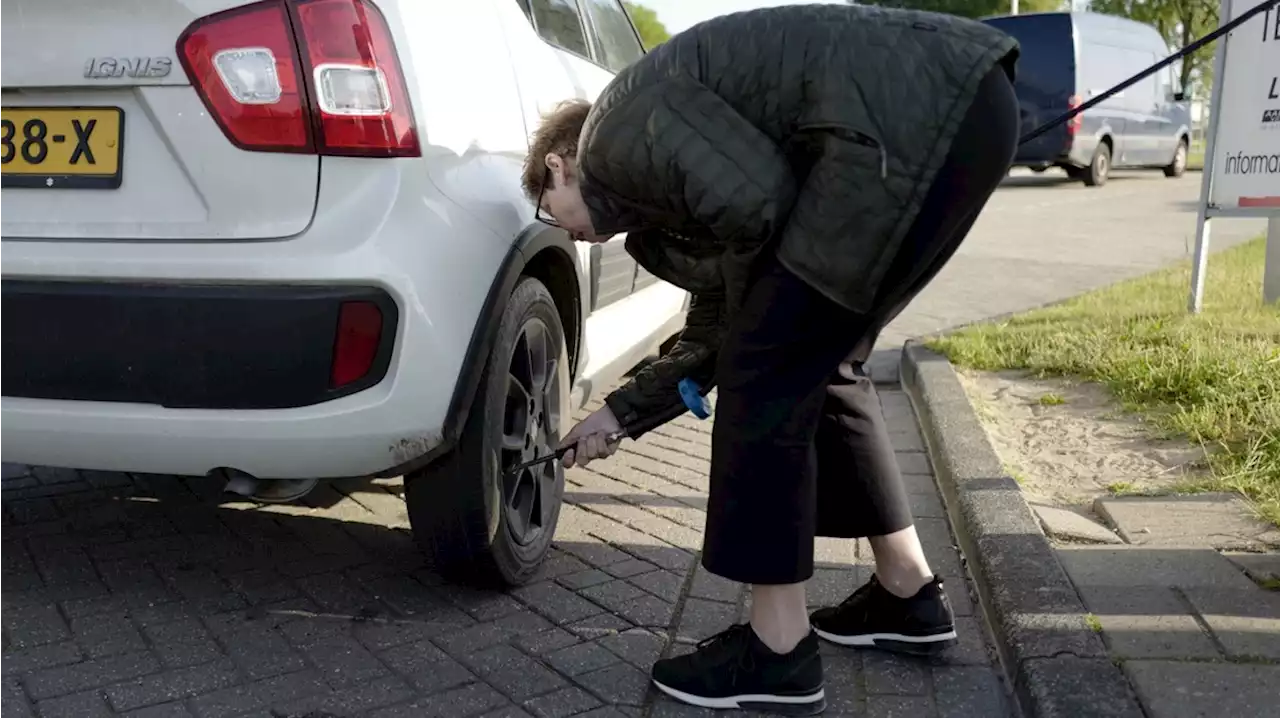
(61, 147)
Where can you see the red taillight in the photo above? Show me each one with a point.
(303, 76)
(1073, 125)
(245, 66)
(356, 345)
(362, 103)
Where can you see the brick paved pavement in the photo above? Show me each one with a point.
(145, 596)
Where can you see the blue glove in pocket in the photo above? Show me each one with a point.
(693, 399)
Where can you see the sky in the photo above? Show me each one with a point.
(678, 15)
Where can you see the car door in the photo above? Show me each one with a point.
(1143, 125)
(1168, 120)
(1124, 111)
(576, 52)
(616, 45)
(1147, 102)
(563, 49)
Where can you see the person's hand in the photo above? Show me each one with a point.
(589, 438)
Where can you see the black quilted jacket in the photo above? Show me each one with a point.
(815, 128)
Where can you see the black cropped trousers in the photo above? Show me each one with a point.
(800, 447)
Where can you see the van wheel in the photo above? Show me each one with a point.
(1095, 175)
(474, 522)
(1179, 164)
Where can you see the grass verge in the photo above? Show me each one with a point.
(1213, 378)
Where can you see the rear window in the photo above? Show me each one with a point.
(1046, 62)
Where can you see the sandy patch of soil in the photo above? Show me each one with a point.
(1067, 443)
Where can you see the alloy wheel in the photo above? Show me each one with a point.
(530, 424)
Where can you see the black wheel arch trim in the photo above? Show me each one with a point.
(528, 244)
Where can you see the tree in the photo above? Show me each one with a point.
(1180, 22)
(972, 8)
(652, 31)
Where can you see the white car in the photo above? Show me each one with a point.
(284, 241)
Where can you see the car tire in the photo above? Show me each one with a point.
(475, 523)
(1178, 166)
(1099, 169)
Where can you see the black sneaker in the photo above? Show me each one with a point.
(734, 669)
(922, 624)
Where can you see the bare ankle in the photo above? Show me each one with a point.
(779, 638)
(900, 562)
(903, 584)
(778, 616)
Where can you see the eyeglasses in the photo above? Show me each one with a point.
(541, 214)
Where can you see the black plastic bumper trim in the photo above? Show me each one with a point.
(181, 346)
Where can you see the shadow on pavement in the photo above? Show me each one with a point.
(160, 591)
(163, 595)
(153, 594)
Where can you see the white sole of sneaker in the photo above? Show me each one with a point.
(874, 639)
(798, 705)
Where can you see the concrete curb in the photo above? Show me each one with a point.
(1058, 666)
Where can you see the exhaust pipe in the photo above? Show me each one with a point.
(266, 491)
(240, 483)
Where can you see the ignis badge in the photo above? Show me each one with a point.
(106, 68)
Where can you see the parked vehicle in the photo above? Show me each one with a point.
(284, 241)
(1069, 57)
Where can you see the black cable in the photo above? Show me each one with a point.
(1223, 29)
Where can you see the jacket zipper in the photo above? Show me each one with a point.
(866, 140)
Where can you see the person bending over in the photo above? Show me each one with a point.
(802, 171)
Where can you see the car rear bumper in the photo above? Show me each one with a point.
(348, 438)
(430, 264)
(167, 379)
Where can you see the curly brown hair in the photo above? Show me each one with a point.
(558, 132)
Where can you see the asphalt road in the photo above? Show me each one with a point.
(1043, 238)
